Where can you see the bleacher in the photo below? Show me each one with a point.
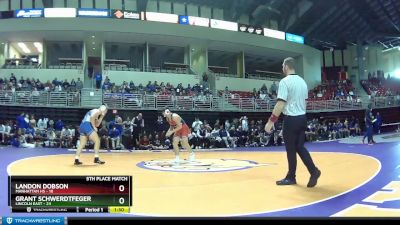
(245, 100)
(381, 86)
(75, 66)
(330, 91)
(20, 63)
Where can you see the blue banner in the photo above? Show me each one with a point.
(6, 14)
(184, 20)
(295, 38)
(28, 13)
(93, 13)
(33, 220)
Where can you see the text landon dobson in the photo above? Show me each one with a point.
(41, 186)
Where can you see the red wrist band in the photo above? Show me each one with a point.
(273, 118)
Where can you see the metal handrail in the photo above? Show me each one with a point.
(183, 103)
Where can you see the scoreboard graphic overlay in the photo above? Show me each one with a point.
(86, 194)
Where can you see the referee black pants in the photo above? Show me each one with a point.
(294, 128)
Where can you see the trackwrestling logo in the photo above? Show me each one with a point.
(34, 220)
(200, 165)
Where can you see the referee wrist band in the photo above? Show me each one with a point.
(273, 118)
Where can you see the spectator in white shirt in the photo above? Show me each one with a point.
(227, 125)
(245, 123)
(196, 124)
(42, 124)
(66, 138)
(5, 130)
(24, 143)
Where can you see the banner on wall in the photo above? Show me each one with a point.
(224, 25)
(194, 21)
(250, 29)
(295, 38)
(93, 13)
(125, 14)
(59, 12)
(6, 14)
(184, 20)
(274, 33)
(162, 17)
(28, 13)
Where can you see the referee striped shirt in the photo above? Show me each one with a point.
(293, 90)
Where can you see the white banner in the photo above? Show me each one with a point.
(274, 33)
(162, 17)
(59, 12)
(199, 21)
(225, 25)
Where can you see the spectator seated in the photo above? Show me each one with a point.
(377, 85)
(332, 90)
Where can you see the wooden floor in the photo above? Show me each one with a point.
(245, 186)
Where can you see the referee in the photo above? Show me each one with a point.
(369, 124)
(292, 95)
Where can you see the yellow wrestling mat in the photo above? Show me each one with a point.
(218, 183)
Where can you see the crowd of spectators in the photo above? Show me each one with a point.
(332, 129)
(261, 93)
(26, 132)
(155, 88)
(334, 90)
(30, 84)
(379, 85)
(119, 134)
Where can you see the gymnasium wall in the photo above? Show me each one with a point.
(374, 59)
(118, 77)
(240, 84)
(308, 57)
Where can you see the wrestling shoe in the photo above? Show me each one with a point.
(176, 161)
(192, 157)
(98, 161)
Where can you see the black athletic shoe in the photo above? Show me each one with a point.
(314, 178)
(286, 181)
(98, 161)
(77, 162)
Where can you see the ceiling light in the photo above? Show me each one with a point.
(24, 48)
(94, 48)
(93, 36)
(389, 49)
(93, 42)
(38, 46)
(22, 45)
(397, 73)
